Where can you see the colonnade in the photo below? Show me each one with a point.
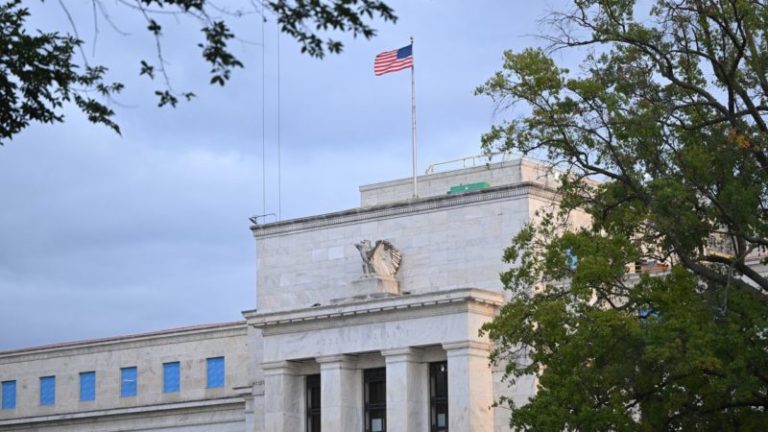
(470, 391)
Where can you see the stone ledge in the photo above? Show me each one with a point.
(141, 410)
(401, 208)
(437, 176)
(162, 337)
(373, 306)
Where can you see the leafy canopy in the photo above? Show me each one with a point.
(41, 71)
(668, 115)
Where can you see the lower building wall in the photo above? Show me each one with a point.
(403, 334)
(209, 416)
(198, 386)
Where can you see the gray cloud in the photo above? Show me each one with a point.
(103, 235)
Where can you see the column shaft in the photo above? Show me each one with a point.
(470, 387)
(341, 395)
(407, 403)
(283, 397)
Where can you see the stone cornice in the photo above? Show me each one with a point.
(142, 411)
(460, 348)
(402, 208)
(340, 359)
(448, 174)
(487, 300)
(164, 337)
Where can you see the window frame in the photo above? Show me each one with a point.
(129, 388)
(8, 395)
(87, 388)
(211, 373)
(313, 388)
(169, 370)
(48, 390)
(370, 377)
(438, 403)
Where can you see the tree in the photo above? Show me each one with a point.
(668, 116)
(39, 71)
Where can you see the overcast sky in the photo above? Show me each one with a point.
(104, 235)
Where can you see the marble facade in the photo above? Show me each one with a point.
(318, 312)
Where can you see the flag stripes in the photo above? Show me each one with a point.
(393, 61)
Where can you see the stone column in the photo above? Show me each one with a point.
(283, 397)
(341, 394)
(407, 408)
(470, 387)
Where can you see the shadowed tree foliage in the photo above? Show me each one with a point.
(40, 71)
(668, 114)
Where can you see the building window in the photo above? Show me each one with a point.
(87, 386)
(438, 396)
(375, 389)
(47, 390)
(313, 403)
(215, 372)
(171, 381)
(128, 377)
(9, 395)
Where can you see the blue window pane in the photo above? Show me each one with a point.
(128, 382)
(87, 386)
(48, 390)
(9, 394)
(215, 372)
(171, 377)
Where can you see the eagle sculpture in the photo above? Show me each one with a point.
(380, 260)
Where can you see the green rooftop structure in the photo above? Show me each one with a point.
(467, 187)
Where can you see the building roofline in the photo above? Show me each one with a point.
(448, 173)
(402, 208)
(178, 331)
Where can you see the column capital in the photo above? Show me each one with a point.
(401, 354)
(343, 360)
(468, 347)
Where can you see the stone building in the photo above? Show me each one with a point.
(367, 320)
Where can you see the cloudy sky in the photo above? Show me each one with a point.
(104, 235)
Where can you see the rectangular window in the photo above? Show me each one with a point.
(313, 403)
(48, 390)
(9, 394)
(87, 386)
(438, 396)
(375, 398)
(215, 372)
(128, 381)
(171, 379)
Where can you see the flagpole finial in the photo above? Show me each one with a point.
(411, 40)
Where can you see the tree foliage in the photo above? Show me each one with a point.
(668, 114)
(40, 71)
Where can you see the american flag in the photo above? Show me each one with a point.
(393, 61)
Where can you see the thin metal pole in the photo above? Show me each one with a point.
(413, 120)
(263, 123)
(279, 162)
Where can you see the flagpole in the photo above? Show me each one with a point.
(413, 120)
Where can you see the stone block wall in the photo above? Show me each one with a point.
(438, 184)
(190, 347)
(446, 242)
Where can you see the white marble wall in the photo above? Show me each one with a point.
(223, 417)
(190, 347)
(495, 174)
(448, 243)
(405, 332)
(442, 248)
